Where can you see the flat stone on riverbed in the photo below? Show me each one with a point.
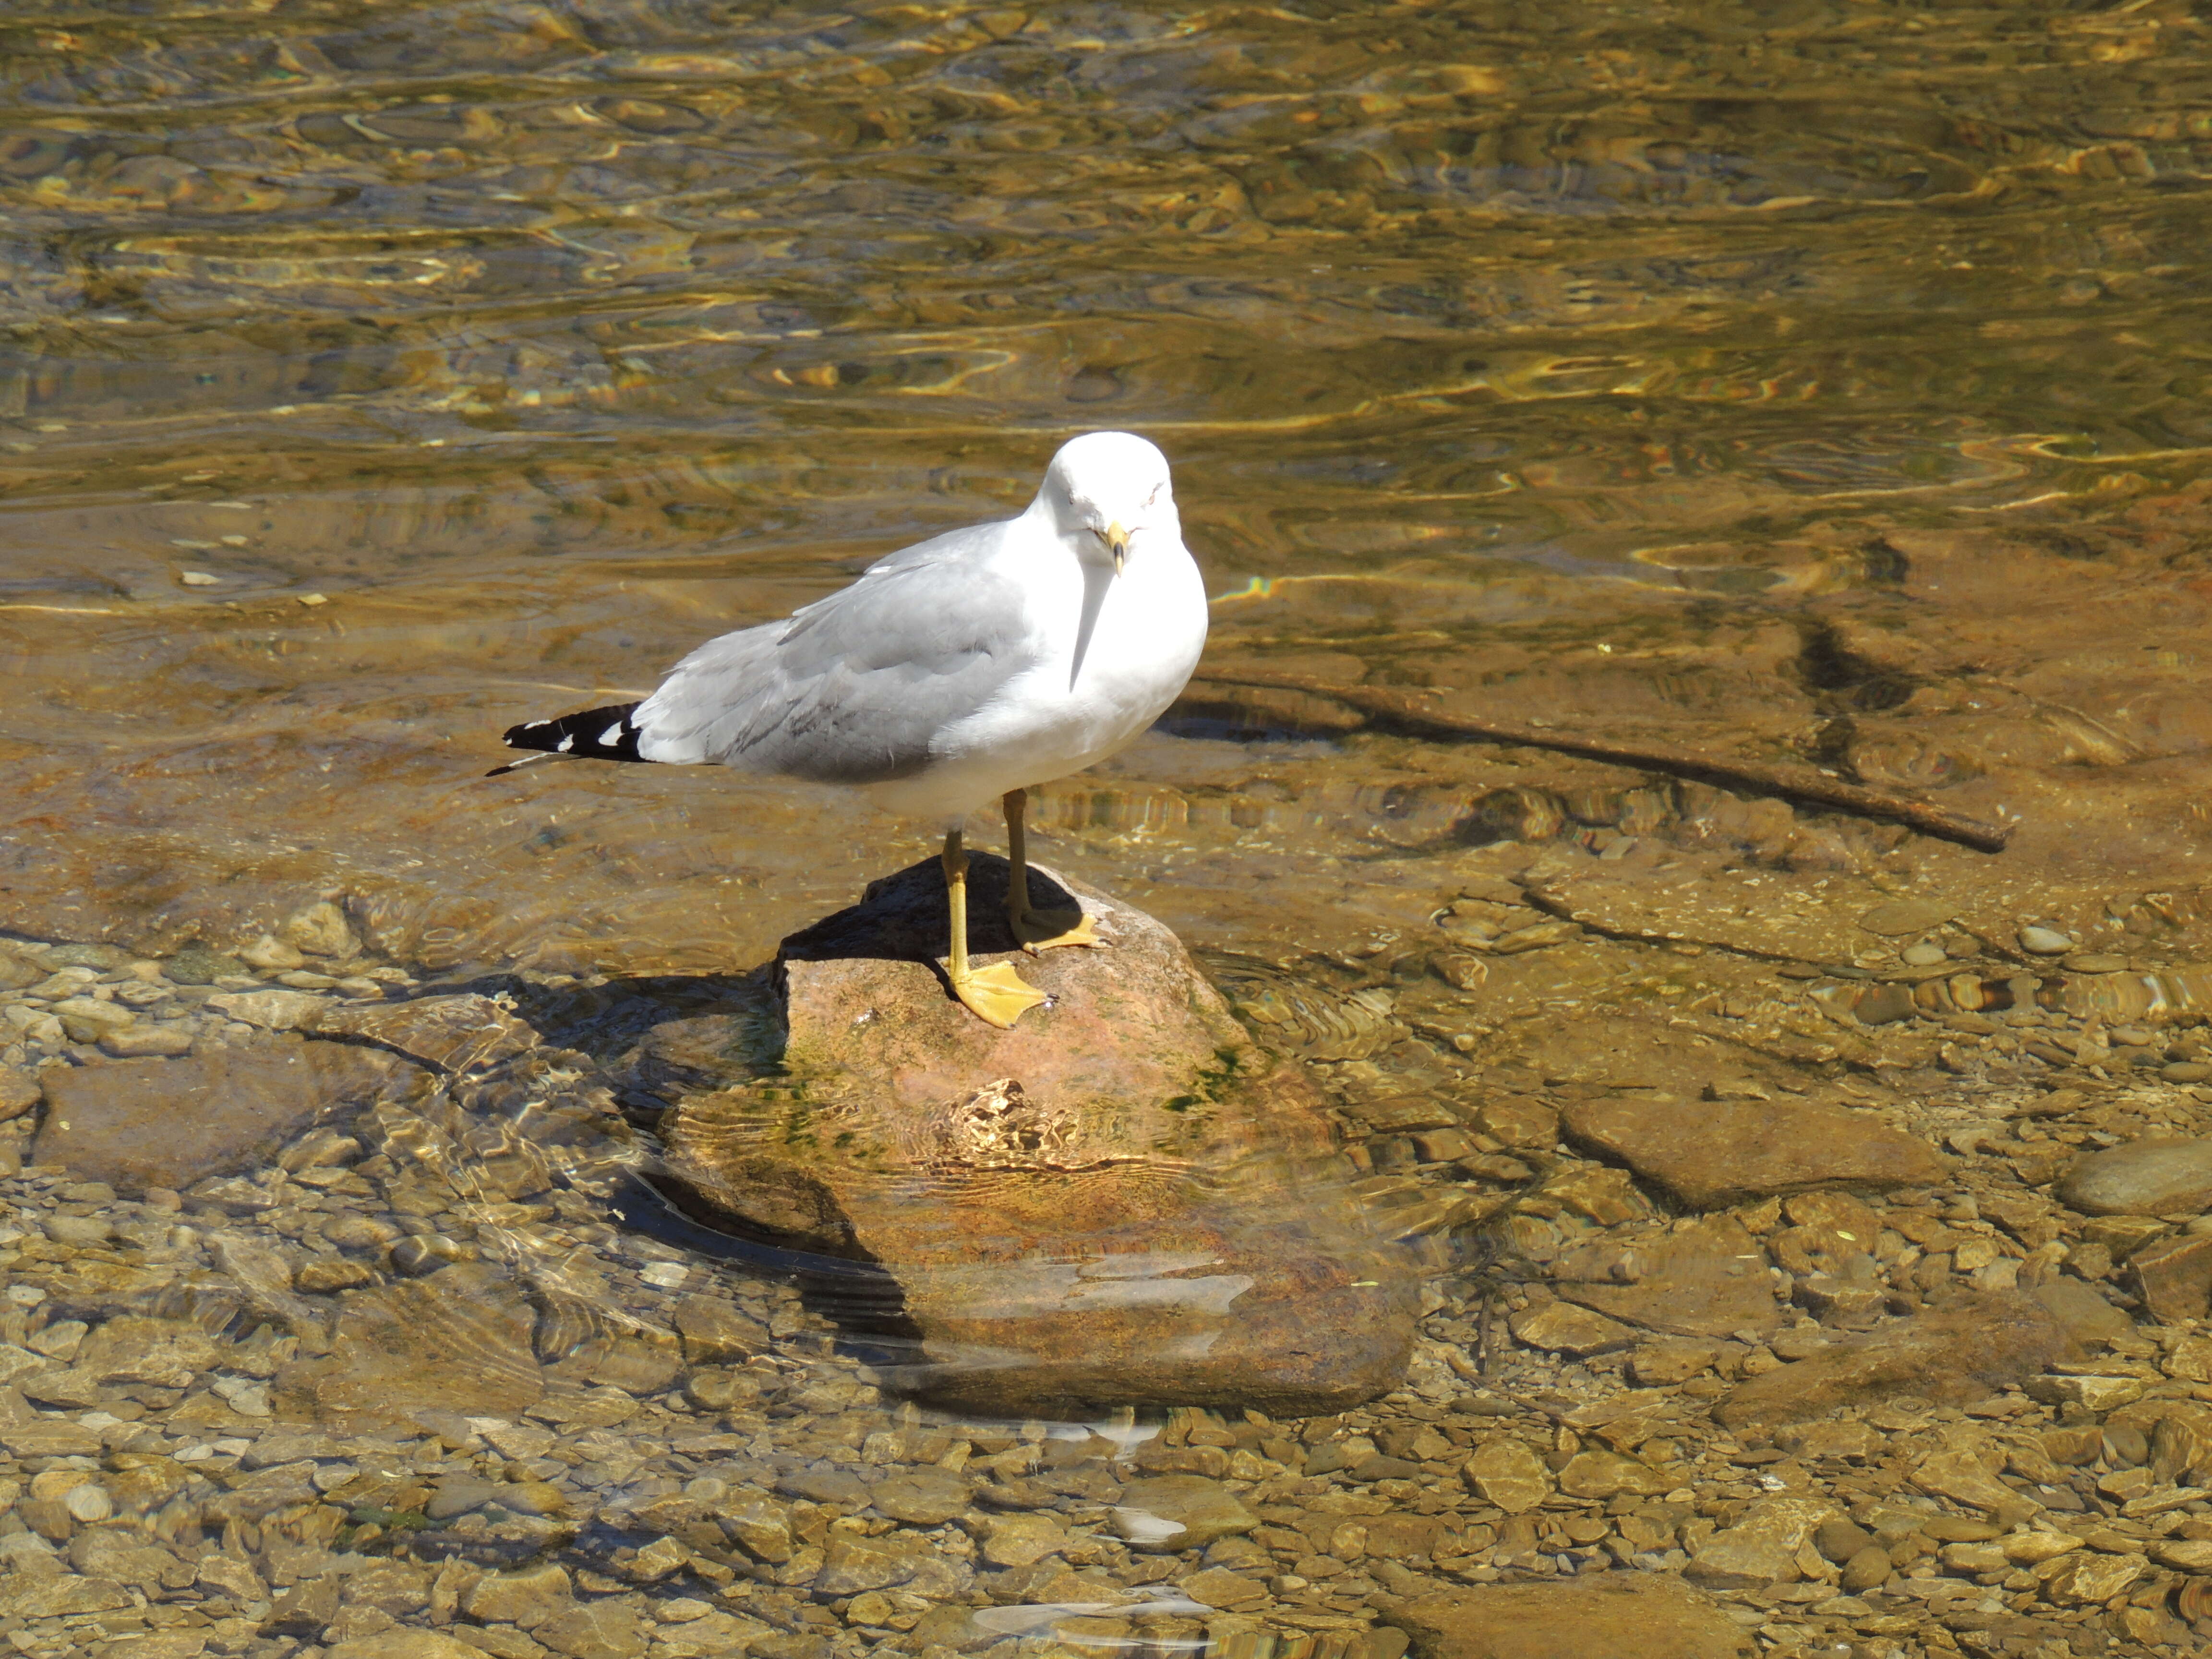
(1959, 1353)
(1708, 1154)
(1611, 1615)
(2144, 1177)
(1708, 1279)
(141, 1123)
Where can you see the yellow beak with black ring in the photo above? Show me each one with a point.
(1118, 539)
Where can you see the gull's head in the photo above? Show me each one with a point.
(1107, 491)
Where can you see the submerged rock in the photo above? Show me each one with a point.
(1121, 1200)
(1708, 1154)
(1708, 1279)
(1961, 1353)
(141, 1123)
(1612, 1615)
(2145, 1177)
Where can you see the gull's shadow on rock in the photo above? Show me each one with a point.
(908, 917)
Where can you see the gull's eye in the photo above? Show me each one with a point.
(1155, 496)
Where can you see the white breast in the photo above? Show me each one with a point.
(1084, 698)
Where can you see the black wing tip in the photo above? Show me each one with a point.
(603, 733)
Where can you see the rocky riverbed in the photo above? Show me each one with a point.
(1792, 1306)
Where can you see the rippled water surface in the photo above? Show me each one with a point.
(1818, 385)
(539, 340)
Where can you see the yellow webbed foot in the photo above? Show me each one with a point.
(997, 995)
(1041, 930)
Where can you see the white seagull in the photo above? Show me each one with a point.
(967, 666)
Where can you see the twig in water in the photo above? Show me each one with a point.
(1409, 710)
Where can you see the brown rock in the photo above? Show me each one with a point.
(2174, 1280)
(19, 1092)
(1959, 1353)
(1179, 1512)
(1708, 1154)
(1505, 1474)
(2085, 1315)
(1610, 1615)
(141, 1123)
(1671, 1361)
(451, 1034)
(458, 1341)
(1120, 1200)
(1771, 1544)
(2144, 1177)
(1708, 1279)
(1597, 1474)
(1562, 1327)
(715, 1330)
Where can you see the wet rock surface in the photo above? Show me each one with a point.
(1611, 1617)
(167, 1123)
(1708, 1154)
(1122, 1200)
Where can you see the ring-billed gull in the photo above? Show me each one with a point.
(967, 666)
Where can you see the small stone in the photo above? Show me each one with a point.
(1868, 1569)
(1656, 1364)
(324, 1274)
(1017, 1541)
(1770, 1545)
(1562, 1327)
(320, 930)
(1844, 1438)
(87, 1019)
(403, 1644)
(1955, 1354)
(2044, 941)
(2090, 1579)
(271, 1011)
(417, 1254)
(459, 1494)
(1924, 955)
(2186, 1070)
(1178, 1512)
(2094, 1393)
(19, 1092)
(1708, 1279)
(526, 1599)
(268, 953)
(2174, 1280)
(1902, 916)
(1716, 1153)
(78, 1229)
(2028, 1549)
(2144, 1177)
(2095, 962)
(1597, 1617)
(1506, 1475)
(1597, 1474)
(921, 1497)
(146, 1043)
(2183, 1554)
(88, 1503)
(715, 1330)
(198, 964)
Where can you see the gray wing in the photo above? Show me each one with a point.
(851, 688)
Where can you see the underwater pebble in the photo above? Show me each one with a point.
(2044, 941)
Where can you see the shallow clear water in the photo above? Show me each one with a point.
(1817, 384)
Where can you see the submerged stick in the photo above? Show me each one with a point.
(1800, 783)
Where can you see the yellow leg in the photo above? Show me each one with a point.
(998, 995)
(1037, 930)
